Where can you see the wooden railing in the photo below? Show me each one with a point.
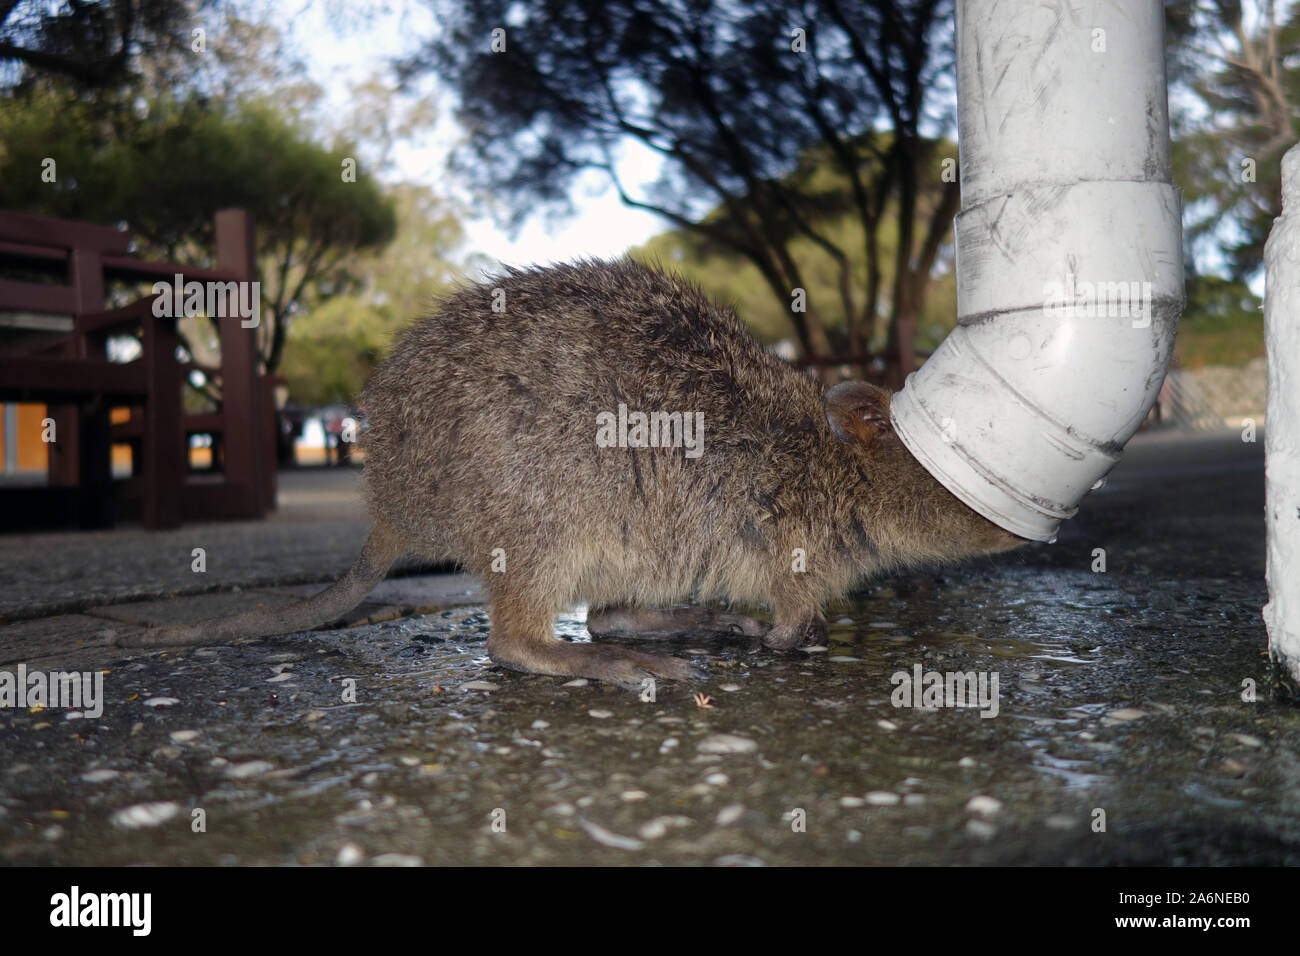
(72, 375)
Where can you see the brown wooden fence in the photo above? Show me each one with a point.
(71, 374)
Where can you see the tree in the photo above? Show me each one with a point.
(94, 43)
(329, 358)
(1235, 93)
(1237, 82)
(729, 277)
(743, 103)
(166, 172)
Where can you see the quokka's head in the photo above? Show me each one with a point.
(909, 508)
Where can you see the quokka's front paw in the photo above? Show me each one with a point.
(786, 637)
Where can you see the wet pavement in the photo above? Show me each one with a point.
(1134, 721)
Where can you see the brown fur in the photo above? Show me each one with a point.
(482, 429)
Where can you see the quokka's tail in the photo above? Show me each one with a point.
(381, 551)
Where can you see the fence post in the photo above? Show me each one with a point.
(164, 463)
(241, 393)
(84, 455)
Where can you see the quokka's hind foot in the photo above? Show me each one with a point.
(618, 665)
(521, 640)
(656, 624)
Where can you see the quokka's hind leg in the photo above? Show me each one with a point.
(522, 640)
(659, 624)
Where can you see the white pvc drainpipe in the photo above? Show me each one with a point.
(1282, 430)
(1069, 258)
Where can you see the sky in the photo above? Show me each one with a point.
(602, 227)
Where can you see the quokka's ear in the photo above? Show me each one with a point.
(857, 411)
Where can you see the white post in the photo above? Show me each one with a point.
(1282, 432)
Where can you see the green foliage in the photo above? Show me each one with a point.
(97, 44)
(330, 357)
(165, 174)
(730, 277)
(332, 350)
(1222, 325)
(1236, 67)
(165, 169)
(1235, 96)
(782, 120)
(148, 135)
